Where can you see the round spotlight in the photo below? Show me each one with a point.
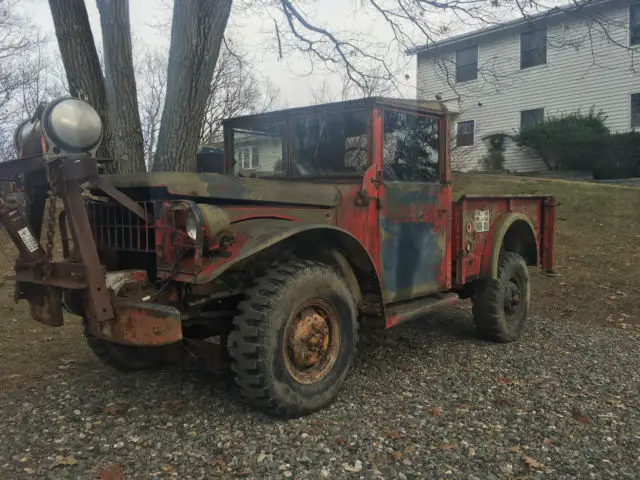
(72, 125)
(26, 138)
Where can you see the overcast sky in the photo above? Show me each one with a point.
(293, 75)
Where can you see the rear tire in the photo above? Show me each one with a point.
(295, 339)
(501, 306)
(124, 358)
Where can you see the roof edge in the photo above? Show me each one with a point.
(509, 25)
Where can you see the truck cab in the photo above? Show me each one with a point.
(325, 218)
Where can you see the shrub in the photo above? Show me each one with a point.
(566, 141)
(618, 156)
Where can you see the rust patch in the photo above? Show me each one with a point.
(142, 324)
(312, 341)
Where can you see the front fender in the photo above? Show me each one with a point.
(257, 235)
(492, 249)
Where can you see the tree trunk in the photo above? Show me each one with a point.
(196, 36)
(81, 62)
(120, 86)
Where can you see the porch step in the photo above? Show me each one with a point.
(405, 311)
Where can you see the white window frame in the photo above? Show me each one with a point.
(475, 71)
(472, 134)
(244, 154)
(528, 111)
(544, 30)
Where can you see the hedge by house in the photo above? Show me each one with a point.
(583, 142)
(618, 156)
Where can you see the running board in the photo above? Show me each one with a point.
(412, 309)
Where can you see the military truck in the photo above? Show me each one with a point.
(325, 218)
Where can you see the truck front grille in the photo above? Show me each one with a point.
(116, 228)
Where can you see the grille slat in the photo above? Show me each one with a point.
(117, 228)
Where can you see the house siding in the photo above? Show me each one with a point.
(584, 68)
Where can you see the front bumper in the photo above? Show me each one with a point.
(140, 324)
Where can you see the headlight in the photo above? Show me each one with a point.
(191, 226)
(72, 125)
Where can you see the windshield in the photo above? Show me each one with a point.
(331, 144)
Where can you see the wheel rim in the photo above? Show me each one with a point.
(513, 303)
(312, 341)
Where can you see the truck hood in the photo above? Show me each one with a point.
(229, 188)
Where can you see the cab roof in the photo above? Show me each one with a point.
(421, 106)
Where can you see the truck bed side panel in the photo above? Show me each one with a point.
(474, 220)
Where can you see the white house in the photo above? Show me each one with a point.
(501, 77)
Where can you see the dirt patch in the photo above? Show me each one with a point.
(30, 351)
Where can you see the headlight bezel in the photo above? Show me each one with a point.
(192, 218)
(208, 220)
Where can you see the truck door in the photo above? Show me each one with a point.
(414, 215)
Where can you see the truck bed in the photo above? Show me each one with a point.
(478, 219)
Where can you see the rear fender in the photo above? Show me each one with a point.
(513, 232)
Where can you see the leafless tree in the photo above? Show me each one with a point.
(235, 90)
(346, 89)
(23, 62)
(120, 86)
(18, 40)
(197, 32)
(152, 88)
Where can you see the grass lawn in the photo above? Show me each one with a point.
(598, 258)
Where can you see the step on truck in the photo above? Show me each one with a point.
(324, 219)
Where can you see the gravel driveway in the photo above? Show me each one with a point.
(426, 400)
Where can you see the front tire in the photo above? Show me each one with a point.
(294, 340)
(124, 358)
(501, 307)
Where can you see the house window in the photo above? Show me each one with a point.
(465, 133)
(634, 25)
(249, 158)
(635, 110)
(533, 48)
(531, 117)
(467, 64)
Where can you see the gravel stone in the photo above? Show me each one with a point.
(425, 400)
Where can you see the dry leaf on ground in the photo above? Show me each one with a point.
(507, 381)
(532, 463)
(113, 472)
(435, 411)
(393, 435)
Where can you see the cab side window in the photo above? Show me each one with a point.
(411, 147)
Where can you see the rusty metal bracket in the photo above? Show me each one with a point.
(100, 301)
(104, 185)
